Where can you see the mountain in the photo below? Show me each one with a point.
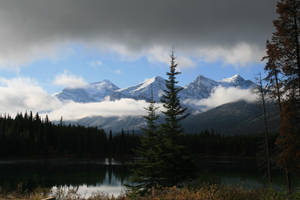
(93, 92)
(237, 81)
(232, 118)
(144, 91)
(235, 118)
(200, 88)
(114, 123)
(238, 118)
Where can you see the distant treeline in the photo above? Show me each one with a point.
(215, 144)
(27, 135)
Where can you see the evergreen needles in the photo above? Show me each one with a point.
(162, 160)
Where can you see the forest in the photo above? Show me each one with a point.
(30, 136)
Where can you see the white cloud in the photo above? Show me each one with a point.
(72, 110)
(69, 80)
(24, 94)
(238, 55)
(222, 95)
(162, 54)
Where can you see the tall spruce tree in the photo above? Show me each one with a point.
(147, 168)
(178, 166)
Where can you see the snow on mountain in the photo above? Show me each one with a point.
(91, 93)
(237, 81)
(201, 88)
(156, 85)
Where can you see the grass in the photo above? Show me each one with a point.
(208, 192)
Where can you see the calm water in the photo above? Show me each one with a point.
(101, 177)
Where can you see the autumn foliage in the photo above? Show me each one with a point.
(283, 77)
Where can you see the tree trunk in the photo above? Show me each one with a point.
(278, 90)
(267, 149)
(288, 180)
(297, 46)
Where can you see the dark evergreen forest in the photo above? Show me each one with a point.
(28, 136)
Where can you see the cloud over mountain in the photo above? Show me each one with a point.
(222, 95)
(24, 94)
(106, 99)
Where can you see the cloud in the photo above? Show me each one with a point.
(238, 55)
(222, 95)
(69, 80)
(162, 54)
(72, 110)
(35, 29)
(24, 94)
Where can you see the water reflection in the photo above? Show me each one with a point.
(109, 176)
(28, 177)
(111, 186)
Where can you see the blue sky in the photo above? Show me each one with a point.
(94, 65)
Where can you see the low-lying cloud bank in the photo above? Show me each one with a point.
(222, 95)
(72, 110)
(24, 94)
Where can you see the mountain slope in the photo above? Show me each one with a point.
(91, 93)
(198, 89)
(237, 81)
(144, 91)
(233, 118)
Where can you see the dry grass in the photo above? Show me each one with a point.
(210, 192)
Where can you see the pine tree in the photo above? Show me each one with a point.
(177, 163)
(147, 169)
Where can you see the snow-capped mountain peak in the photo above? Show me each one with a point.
(105, 84)
(154, 85)
(232, 79)
(204, 82)
(200, 88)
(237, 81)
(150, 82)
(89, 93)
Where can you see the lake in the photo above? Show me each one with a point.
(90, 177)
